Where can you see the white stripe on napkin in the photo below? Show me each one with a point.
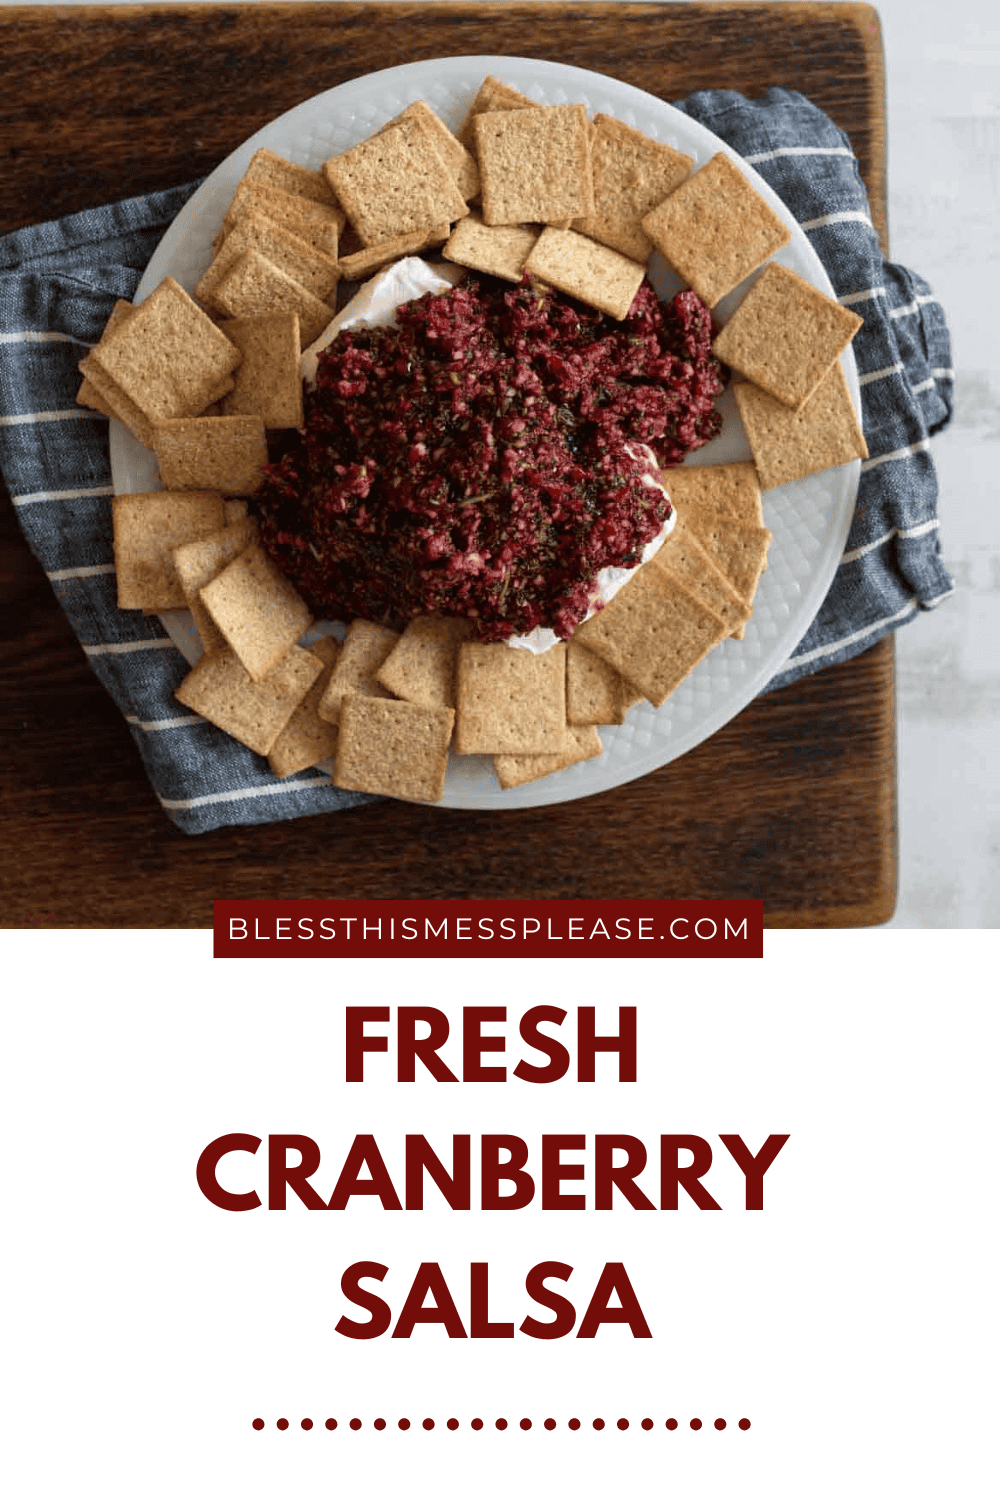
(31, 417)
(912, 307)
(185, 805)
(850, 297)
(843, 216)
(153, 726)
(122, 648)
(908, 533)
(63, 575)
(40, 495)
(799, 151)
(41, 338)
(896, 369)
(885, 458)
(832, 647)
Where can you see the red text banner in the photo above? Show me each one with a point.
(488, 929)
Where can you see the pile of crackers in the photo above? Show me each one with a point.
(521, 189)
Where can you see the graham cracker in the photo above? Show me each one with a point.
(654, 632)
(492, 95)
(258, 611)
(197, 563)
(708, 489)
(596, 274)
(307, 739)
(739, 549)
(581, 742)
(105, 395)
(219, 453)
(366, 646)
(269, 171)
(319, 224)
(632, 173)
(395, 183)
(392, 748)
(595, 692)
(499, 249)
(146, 529)
(88, 394)
(269, 378)
(363, 263)
(684, 555)
(308, 267)
(422, 664)
(457, 158)
(254, 712)
(167, 356)
(534, 164)
(788, 444)
(715, 229)
(510, 701)
(785, 335)
(254, 285)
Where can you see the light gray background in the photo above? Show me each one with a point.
(943, 103)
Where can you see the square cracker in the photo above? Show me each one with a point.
(422, 664)
(632, 174)
(582, 268)
(257, 610)
(269, 379)
(309, 267)
(715, 229)
(581, 742)
(197, 563)
(788, 444)
(219, 453)
(395, 183)
(457, 158)
(268, 170)
(732, 490)
(319, 224)
(366, 646)
(499, 249)
(785, 335)
(223, 692)
(654, 632)
(146, 530)
(684, 555)
(307, 739)
(362, 263)
(510, 701)
(393, 749)
(535, 164)
(737, 548)
(254, 285)
(167, 355)
(492, 95)
(595, 692)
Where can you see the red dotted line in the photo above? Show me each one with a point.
(501, 1424)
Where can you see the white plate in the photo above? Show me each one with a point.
(810, 519)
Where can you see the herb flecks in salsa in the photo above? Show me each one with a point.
(481, 458)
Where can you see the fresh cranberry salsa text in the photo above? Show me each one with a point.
(481, 457)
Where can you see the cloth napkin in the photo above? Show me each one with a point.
(59, 282)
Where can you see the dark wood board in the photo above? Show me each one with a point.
(793, 802)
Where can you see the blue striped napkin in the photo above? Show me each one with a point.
(59, 282)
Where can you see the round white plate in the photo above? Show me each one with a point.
(810, 519)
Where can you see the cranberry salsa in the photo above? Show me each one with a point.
(484, 457)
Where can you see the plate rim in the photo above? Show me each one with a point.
(574, 782)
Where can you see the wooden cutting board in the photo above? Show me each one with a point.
(792, 803)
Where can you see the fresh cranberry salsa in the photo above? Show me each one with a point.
(481, 458)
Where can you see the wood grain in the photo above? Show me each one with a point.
(793, 802)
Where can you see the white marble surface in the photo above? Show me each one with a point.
(943, 102)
